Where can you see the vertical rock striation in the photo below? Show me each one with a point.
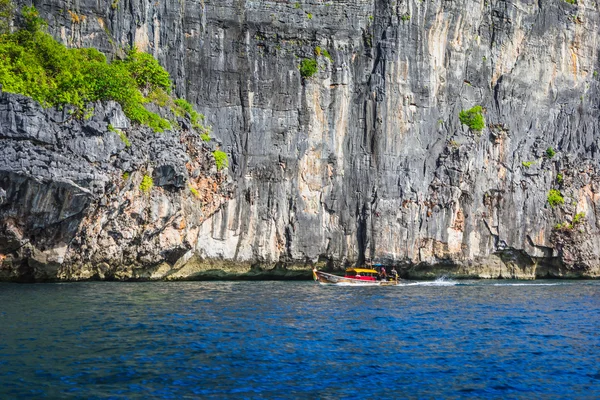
(367, 158)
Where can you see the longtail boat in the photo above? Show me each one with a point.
(354, 277)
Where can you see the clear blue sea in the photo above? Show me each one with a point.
(443, 339)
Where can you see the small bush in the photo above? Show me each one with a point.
(308, 67)
(571, 1)
(559, 178)
(405, 17)
(220, 159)
(309, 15)
(527, 164)
(578, 218)
(125, 175)
(555, 198)
(327, 55)
(194, 191)
(205, 137)
(147, 184)
(473, 118)
(550, 152)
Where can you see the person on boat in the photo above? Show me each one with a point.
(394, 273)
(383, 273)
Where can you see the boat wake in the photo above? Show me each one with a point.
(442, 281)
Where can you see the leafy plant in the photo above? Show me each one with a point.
(550, 152)
(473, 118)
(308, 67)
(527, 164)
(559, 178)
(327, 55)
(405, 17)
(194, 191)
(147, 184)
(578, 218)
(32, 63)
(125, 175)
(555, 198)
(309, 15)
(220, 159)
(205, 137)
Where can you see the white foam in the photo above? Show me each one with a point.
(443, 281)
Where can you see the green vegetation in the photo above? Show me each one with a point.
(309, 15)
(527, 164)
(550, 152)
(194, 191)
(308, 67)
(405, 17)
(571, 1)
(146, 184)
(473, 118)
(319, 51)
(125, 175)
(32, 63)
(578, 218)
(182, 107)
(220, 159)
(205, 137)
(297, 4)
(555, 198)
(559, 178)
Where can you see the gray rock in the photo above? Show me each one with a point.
(367, 159)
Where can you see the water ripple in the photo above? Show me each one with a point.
(437, 339)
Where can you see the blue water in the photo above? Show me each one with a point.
(489, 339)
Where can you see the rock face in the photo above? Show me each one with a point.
(71, 203)
(367, 158)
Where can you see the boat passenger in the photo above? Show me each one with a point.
(383, 273)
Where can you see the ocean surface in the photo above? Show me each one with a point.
(442, 339)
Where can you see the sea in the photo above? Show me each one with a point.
(442, 339)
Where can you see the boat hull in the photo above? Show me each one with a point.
(330, 279)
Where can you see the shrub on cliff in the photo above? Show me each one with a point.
(473, 118)
(308, 67)
(220, 159)
(32, 63)
(147, 184)
(555, 198)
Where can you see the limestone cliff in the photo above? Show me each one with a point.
(72, 205)
(367, 158)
